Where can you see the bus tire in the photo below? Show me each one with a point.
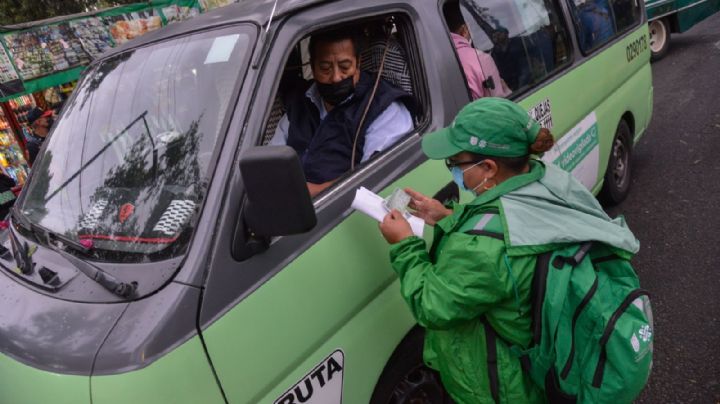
(659, 38)
(616, 186)
(406, 379)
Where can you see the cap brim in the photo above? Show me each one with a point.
(437, 145)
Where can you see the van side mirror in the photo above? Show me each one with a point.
(278, 202)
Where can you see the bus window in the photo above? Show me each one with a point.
(598, 21)
(626, 12)
(526, 38)
(593, 22)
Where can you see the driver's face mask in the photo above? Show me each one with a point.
(335, 93)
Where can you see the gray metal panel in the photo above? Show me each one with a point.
(51, 334)
(148, 329)
(230, 281)
(79, 287)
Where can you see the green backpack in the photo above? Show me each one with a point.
(592, 327)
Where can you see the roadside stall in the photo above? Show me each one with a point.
(41, 61)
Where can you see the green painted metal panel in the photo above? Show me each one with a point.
(337, 295)
(687, 13)
(182, 376)
(658, 8)
(691, 16)
(22, 384)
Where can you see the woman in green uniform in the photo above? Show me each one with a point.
(479, 270)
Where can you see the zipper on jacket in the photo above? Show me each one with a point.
(589, 295)
(600, 369)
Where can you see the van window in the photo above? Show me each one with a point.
(128, 162)
(597, 22)
(527, 39)
(325, 133)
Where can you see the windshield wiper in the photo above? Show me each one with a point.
(21, 251)
(22, 258)
(123, 289)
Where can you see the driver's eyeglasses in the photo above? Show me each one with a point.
(450, 163)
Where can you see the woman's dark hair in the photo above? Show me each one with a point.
(543, 142)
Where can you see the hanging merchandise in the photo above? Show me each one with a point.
(93, 35)
(53, 97)
(128, 26)
(208, 5)
(67, 88)
(12, 161)
(10, 82)
(30, 57)
(21, 106)
(174, 13)
(44, 50)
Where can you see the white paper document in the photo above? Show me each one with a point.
(371, 204)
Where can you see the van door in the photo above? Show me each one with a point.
(319, 314)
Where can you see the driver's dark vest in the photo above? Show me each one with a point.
(325, 146)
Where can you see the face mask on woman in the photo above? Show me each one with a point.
(458, 176)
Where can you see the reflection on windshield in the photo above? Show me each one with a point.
(128, 161)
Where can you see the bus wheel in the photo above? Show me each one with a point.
(406, 379)
(659, 38)
(617, 177)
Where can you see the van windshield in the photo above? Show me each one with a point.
(128, 162)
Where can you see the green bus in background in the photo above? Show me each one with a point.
(674, 16)
(161, 253)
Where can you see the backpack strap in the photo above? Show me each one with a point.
(575, 259)
(492, 365)
(488, 225)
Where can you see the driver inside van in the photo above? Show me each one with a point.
(321, 120)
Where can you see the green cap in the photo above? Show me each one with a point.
(489, 126)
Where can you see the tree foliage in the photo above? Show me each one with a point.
(20, 11)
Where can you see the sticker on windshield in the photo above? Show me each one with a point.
(221, 49)
(578, 151)
(542, 113)
(126, 211)
(322, 385)
(91, 218)
(175, 217)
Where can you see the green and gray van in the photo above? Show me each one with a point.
(161, 254)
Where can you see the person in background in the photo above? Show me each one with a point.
(321, 121)
(477, 276)
(482, 74)
(40, 122)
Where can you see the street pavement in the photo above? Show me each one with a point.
(674, 210)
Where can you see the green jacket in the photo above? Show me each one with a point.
(465, 277)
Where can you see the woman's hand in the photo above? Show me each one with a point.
(395, 228)
(428, 209)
